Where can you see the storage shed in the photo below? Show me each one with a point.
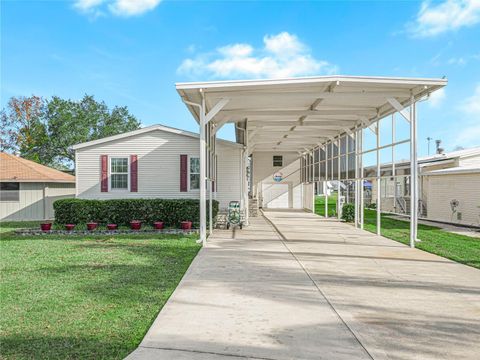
(28, 189)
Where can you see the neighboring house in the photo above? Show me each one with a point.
(449, 187)
(153, 162)
(28, 189)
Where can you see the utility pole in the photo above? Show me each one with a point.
(429, 139)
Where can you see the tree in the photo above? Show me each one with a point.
(23, 130)
(71, 122)
(45, 131)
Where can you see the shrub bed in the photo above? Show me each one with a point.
(121, 211)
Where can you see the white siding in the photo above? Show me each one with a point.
(32, 205)
(462, 187)
(269, 194)
(308, 198)
(467, 161)
(158, 167)
(229, 177)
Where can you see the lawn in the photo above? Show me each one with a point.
(85, 297)
(460, 248)
(320, 205)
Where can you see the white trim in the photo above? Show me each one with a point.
(188, 174)
(142, 131)
(454, 170)
(110, 173)
(312, 79)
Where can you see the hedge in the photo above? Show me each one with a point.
(122, 211)
(348, 212)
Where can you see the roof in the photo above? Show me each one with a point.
(14, 168)
(143, 131)
(452, 154)
(455, 170)
(298, 113)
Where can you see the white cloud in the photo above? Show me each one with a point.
(282, 55)
(469, 135)
(436, 18)
(457, 61)
(437, 98)
(117, 7)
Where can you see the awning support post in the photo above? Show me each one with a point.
(339, 188)
(361, 181)
(413, 174)
(379, 210)
(357, 205)
(326, 181)
(203, 173)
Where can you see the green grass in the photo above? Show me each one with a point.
(84, 297)
(320, 205)
(460, 248)
(7, 226)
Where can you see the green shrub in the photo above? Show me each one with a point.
(122, 211)
(348, 212)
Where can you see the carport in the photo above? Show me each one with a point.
(324, 120)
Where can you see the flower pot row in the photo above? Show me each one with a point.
(134, 225)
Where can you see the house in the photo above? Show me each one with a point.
(449, 187)
(28, 189)
(154, 162)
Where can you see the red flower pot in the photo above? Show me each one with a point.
(135, 225)
(186, 225)
(91, 226)
(112, 226)
(46, 226)
(69, 227)
(158, 225)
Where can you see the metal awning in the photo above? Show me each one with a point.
(304, 114)
(299, 113)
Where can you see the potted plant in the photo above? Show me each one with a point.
(69, 227)
(158, 225)
(112, 227)
(135, 224)
(186, 225)
(91, 225)
(46, 226)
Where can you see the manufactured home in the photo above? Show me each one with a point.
(154, 162)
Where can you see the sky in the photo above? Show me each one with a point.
(132, 52)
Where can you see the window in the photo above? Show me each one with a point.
(277, 160)
(194, 173)
(10, 191)
(119, 174)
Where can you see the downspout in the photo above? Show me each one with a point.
(203, 210)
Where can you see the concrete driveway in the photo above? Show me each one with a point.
(296, 286)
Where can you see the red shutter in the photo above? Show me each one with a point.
(183, 172)
(133, 173)
(104, 173)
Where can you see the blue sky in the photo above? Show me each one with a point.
(131, 53)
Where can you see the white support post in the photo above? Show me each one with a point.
(379, 219)
(356, 180)
(347, 182)
(393, 164)
(361, 181)
(210, 209)
(326, 181)
(339, 191)
(413, 174)
(203, 180)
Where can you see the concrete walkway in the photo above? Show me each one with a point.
(319, 289)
